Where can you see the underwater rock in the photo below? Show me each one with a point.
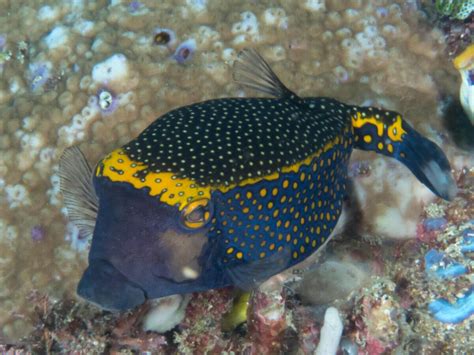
(200, 331)
(330, 281)
(376, 319)
(390, 199)
(267, 322)
(308, 329)
(166, 313)
(348, 347)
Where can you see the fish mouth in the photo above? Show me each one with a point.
(105, 286)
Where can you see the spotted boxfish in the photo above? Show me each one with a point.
(228, 192)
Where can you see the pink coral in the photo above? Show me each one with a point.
(424, 235)
(308, 330)
(373, 346)
(267, 322)
(200, 331)
(375, 321)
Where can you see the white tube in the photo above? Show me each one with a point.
(330, 333)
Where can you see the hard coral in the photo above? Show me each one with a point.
(308, 330)
(67, 326)
(267, 322)
(200, 331)
(376, 320)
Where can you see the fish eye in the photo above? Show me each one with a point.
(197, 214)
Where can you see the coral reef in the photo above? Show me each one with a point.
(267, 322)
(93, 74)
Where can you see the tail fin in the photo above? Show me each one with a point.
(385, 132)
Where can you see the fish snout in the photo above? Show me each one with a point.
(105, 286)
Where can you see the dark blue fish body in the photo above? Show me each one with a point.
(232, 191)
(292, 214)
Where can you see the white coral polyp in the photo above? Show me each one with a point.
(17, 196)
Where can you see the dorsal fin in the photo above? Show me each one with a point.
(251, 70)
(78, 191)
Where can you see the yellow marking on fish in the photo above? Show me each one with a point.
(359, 121)
(118, 167)
(287, 169)
(175, 191)
(465, 59)
(395, 130)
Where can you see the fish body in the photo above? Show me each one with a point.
(230, 191)
(464, 63)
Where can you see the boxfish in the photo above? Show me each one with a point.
(230, 191)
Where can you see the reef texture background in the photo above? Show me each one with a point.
(95, 73)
